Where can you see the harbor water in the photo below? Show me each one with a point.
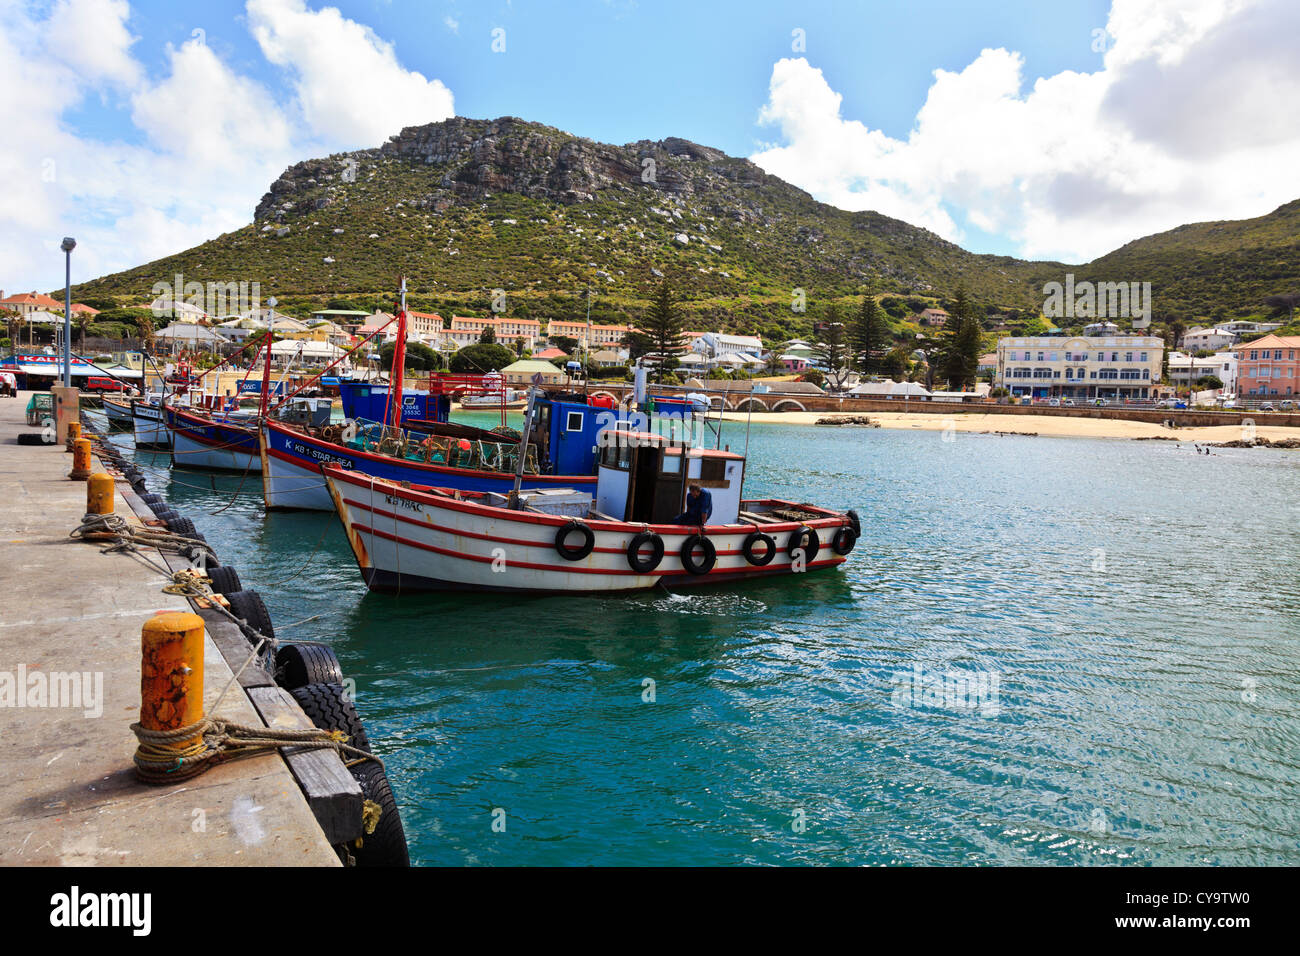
(1042, 651)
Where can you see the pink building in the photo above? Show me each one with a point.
(1269, 366)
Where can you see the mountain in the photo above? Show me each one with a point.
(1197, 269)
(464, 207)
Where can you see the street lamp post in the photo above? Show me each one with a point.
(67, 246)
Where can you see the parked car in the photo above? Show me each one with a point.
(1068, 402)
(1267, 407)
(1054, 402)
(1286, 406)
(100, 385)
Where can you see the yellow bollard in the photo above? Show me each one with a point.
(99, 494)
(74, 432)
(171, 681)
(80, 460)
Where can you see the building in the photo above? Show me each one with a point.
(27, 302)
(931, 317)
(1185, 369)
(716, 345)
(522, 372)
(1269, 366)
(468, 330)
(597, 336)
(1123, 367)
(1211, 340)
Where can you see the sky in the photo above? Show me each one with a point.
(1045, 130)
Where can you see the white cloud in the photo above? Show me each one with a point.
(452, 24)
(1190, 116)
(351, 88)
(203, 142)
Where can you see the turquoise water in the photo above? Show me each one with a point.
(1137, 603)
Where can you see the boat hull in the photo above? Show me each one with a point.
(118, 414)
(200, 442)
(411, 539)
(291, 475)
(150, 429)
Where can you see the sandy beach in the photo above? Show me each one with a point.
(1044, 425)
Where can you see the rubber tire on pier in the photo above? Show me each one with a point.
(647, 563)
(34, 438)
(152, 498)
(748, 547)
(165, 515)
(387, 845)
(248, 605)
(687, 554)
(329, 708)
(184, 527)
(796, 544)
(580, 552)
(856, 522)
(297, 665)
(844, 540)
(224, 580)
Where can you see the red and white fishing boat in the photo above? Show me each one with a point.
(410, 537)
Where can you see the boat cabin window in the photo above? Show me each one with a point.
(617, 456)
(574, 422)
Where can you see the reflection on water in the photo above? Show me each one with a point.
(1138, 605)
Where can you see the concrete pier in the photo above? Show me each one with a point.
(68, 793)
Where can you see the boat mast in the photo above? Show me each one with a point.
(266, 373)
(399, 363)
(513, 500)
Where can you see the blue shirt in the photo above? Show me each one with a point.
(698, 509)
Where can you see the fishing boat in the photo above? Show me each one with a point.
(118, 413)
(461, 457)
(404, 435)
(227, 441)
(148, 422)
(618, 537)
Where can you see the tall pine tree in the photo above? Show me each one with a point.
(663, 326)
(870, 336)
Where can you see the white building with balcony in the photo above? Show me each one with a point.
(1117, 367)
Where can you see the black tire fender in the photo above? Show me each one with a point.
(687, 554)
(797, 537)
(581, 551)
(297, 665)
(768, 554)
(249, 607)
(856, 522)
(330, 708)
(225, 580)
(386, 846)
(644, 564)
(844, 540)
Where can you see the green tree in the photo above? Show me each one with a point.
(870, 336)
(488, 336)
(663, 326)
(419, 357)
(834, 349)
(564, 343)
(481, 358)
(774, 364)
(897, 362)
(959, 343)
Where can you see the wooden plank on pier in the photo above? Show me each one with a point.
(332, 792)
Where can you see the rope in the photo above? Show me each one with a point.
(158, 760)
(131, 537)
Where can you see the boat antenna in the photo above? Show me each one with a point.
(513, 501)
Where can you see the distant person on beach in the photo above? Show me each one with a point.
(699, 507)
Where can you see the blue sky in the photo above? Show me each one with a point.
(1044, 130)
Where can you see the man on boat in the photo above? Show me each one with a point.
(699, 506)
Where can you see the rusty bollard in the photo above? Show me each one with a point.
(80, 460)
(74, 432)
(171, 693)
